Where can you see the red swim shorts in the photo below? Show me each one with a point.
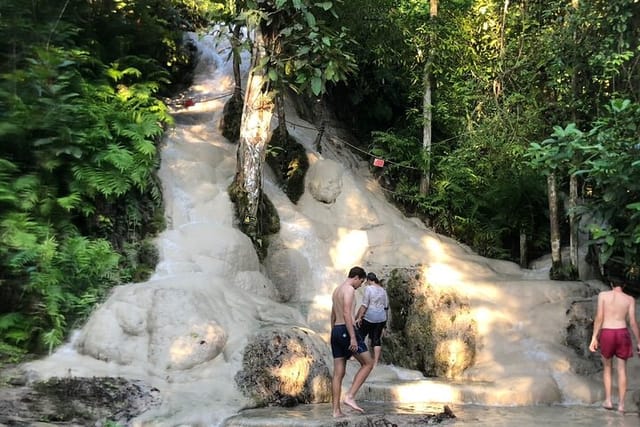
(616, 342)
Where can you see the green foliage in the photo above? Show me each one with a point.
(80, 122)
(606, 159)
(612, 169)
(557, 153)
(502, 76)
(304, 52)
(62, 282)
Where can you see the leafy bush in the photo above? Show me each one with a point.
(80, 122)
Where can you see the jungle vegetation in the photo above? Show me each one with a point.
(511, 126)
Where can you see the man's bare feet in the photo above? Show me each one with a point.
(607, 405)
(621, 408)
(348, 400)
(338, 414)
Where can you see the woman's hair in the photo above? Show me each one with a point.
(372, 277)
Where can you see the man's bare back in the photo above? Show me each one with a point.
(338, 299)
(616, 308)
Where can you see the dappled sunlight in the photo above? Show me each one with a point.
(516, 391)
(454, 353)
(349, 249)
(445, 277)
(293, 372)
(205, 105)
(257, 124)
(441, 275)
(290, 368)
(181, 349)
(486, 319)
(226, 84)
(424, 391)
(206, 340)
(456, 263)
(434, 247)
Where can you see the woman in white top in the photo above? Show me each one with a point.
(371, 318)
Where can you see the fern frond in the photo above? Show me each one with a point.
(70, 202)
(11, 320)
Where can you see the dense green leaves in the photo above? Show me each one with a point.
(606, 160)
(304, 52)
(504, 76)
(80, 122)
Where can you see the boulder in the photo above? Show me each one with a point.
(284, 366)
(431, 330)
(324, 180)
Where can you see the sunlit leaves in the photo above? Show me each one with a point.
(305, 53)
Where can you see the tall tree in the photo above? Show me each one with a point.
(425, 181)
(292, 46)
(557, 156)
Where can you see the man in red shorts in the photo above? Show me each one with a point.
(611, 334)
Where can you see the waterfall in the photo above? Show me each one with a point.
(209, 286)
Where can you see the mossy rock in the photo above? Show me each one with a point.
(580, 315)
(430, 330)
(267, 222)
(232, 118)
(289, 161)
(284, 366)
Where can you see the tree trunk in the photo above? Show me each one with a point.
(282, 117)
(425, 181)
(573, 224)
(523, 249)
(556, 255)
(235, 49)
(319, 114)
(255, 131)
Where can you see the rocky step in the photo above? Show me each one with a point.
(320, 415)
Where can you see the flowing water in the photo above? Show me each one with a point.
(184, 330)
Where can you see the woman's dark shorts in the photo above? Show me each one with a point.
(374, 331)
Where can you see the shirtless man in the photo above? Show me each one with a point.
(610, 333)
(346, 343)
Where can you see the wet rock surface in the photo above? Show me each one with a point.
(319, 415)
(73, 401)
(580, 316)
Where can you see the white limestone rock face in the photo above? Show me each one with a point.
(335, 199)
(116, 331)
(255, 283)
(208, 242)
(183, 335)
(324, 180)
(167, 328)
(289, 270)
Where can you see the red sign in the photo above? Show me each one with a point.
(378, 163)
